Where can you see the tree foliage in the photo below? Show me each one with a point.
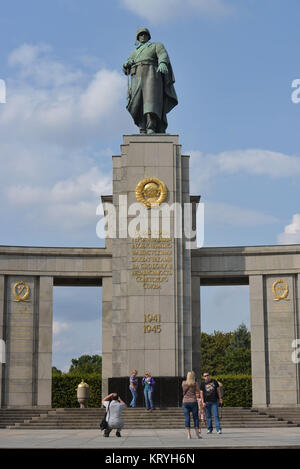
(86, 364)
(227, 352)
(64, 390)
(56, 371)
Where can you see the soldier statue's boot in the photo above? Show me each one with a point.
(151, 123)
(143, 125)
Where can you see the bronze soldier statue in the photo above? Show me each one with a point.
(151, 93)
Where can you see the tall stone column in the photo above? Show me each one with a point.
(274, 327)
(2, 335)
(151, 291)
(259, 356)
(43, 348)
(281, 315)
(28, 336)
(106, 333)
(196, 328)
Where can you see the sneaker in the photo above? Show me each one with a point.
(199, 437)
(219, 432)
(118, 434)
(209, 431)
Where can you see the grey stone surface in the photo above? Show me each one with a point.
(281, 317)
(150, 156)
(140, 438)
(258, 346)
(2, 337)
(196, 327)
(246, 260)
(106, 333)
(275, 378)
(20, 326)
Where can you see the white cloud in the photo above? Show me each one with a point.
(261, 162)
(161, 11)
(291, 234)
(49, 129)
(59, 327)
(69, 204)
(50, 101)
(226, 214)
(255, 161)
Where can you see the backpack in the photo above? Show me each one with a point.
(104, 424)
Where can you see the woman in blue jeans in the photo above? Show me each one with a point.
(191, 395)
(211, 396)
(133, 384)
(148, 384)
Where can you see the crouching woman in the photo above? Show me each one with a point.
(114, 407)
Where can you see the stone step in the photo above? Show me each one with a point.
(157, 419)
(133, 418)
(133, 425)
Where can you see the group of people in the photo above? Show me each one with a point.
(201, 402)
(114, 404)
(148, 384)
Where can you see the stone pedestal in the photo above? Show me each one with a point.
(152, 327)
(167, 391)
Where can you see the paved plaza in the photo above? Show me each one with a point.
(230, 438)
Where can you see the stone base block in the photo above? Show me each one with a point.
(167, 391)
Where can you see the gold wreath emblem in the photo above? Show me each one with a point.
(21, 291)
(280, 290)
(151, 192)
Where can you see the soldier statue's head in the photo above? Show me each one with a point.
(141, 35)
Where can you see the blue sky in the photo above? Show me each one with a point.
(234, 64)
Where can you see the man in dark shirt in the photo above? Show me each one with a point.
(210, 395)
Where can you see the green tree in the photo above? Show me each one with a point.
(213, 348)
(238, 353)
(227, 352)
(86, 364)
(241, 338)
(56, 371)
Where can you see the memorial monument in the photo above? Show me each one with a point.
(150, 271)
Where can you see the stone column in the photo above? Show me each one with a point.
(44, 345)
(2, 334)
(274, 326)
(297, 333)
(259, 357)
(21, 320)
(196, 327)
(281, 332)
(151, 323)
(28, 325)
(106, 333)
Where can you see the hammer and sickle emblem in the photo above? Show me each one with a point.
(21, 291)
(151, 192)
(280, 290)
